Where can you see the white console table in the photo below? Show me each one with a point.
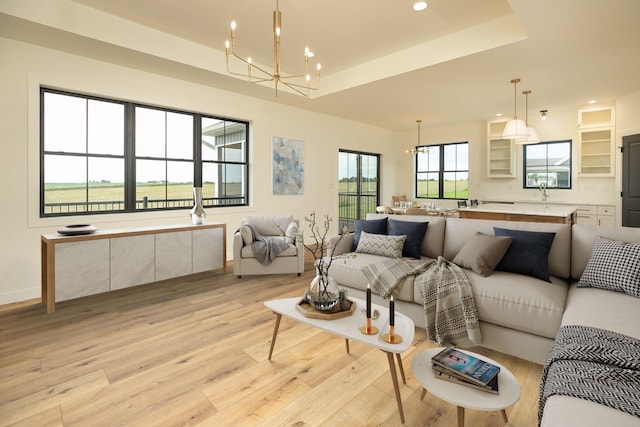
(76, 266)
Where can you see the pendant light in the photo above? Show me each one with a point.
(418, 149)
(533, 135)
(515, 128)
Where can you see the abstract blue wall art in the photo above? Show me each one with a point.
(288, 166)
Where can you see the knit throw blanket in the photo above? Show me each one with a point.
(449, 306)
(266, 249)
(593, 364)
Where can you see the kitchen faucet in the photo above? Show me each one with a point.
(543, 187)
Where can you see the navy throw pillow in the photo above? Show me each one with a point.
(372, 226)
(528, 253)
(414, 231)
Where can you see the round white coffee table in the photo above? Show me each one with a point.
(463, 396)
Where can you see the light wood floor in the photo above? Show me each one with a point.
(194, 352)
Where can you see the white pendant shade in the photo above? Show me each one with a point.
(515, 129)
(531, 139)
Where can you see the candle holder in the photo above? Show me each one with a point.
(368, 329)
(392, 337)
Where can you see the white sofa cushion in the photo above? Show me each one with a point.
(269, 225)
(568, 411)
(518, 302)
(603, 309)
(247, 252)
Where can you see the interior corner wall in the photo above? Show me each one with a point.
(24, 67)
(472, 132)
(560, 125)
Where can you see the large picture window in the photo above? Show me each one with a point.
(442, 171)
(547, 163)
(103, 156)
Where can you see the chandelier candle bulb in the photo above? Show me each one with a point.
(257, 73)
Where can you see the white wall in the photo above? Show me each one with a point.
(24, 67)
(560, 125)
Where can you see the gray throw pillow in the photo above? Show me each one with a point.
(614, 266)
(482, 253)
(381, 244)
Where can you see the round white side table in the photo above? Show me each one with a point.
(461, 395)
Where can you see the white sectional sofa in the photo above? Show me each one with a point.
(519, 314)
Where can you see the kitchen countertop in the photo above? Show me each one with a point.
(543, 209)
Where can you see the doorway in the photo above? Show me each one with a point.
(358, 186)
(631, 181)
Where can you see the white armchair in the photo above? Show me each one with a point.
(290, 260)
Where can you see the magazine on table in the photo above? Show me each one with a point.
(446, 375)
(466, 366)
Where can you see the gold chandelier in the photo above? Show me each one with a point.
(300, 83)
(418, 148)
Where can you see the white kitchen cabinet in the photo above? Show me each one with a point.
(603, 215)
(501, 159)
(596, 142)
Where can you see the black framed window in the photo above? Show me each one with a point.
(547, 163)
(442, 171)
(358, 186)
(103, 156)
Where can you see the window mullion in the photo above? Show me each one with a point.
(197, 150)
(441, 174)
(129, 159)
(86, 153)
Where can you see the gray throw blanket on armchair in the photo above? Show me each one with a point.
(266, 249)
(449, 307)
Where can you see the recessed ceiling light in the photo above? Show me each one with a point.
(592, 101)
(498, 114)
(419, 5)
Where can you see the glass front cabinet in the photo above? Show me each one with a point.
(501, 159)
(596, 136)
